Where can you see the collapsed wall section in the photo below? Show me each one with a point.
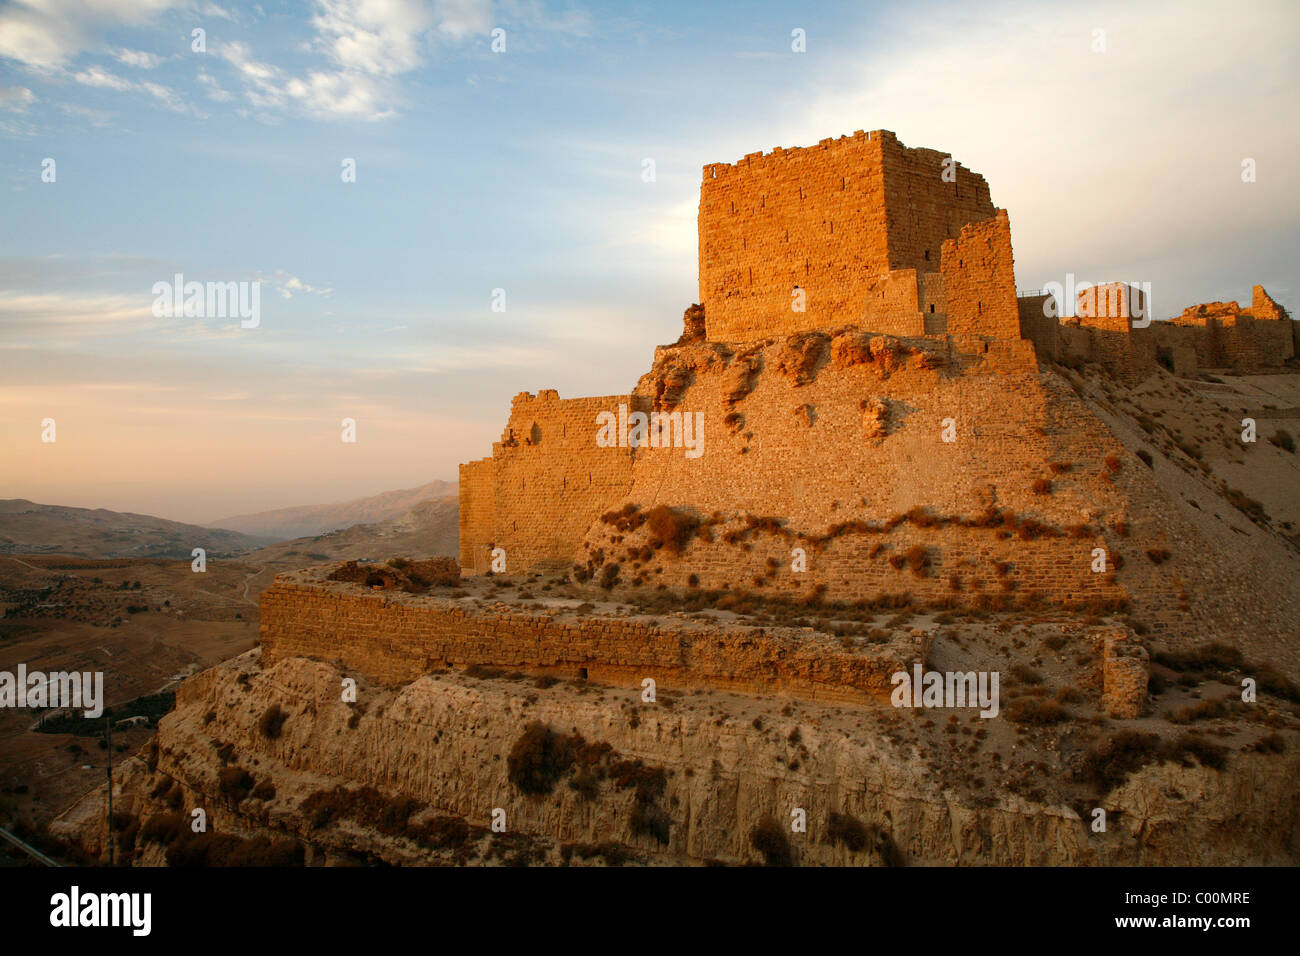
(928, 198)
(1224, 335)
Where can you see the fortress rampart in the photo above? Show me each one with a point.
(545, 483)
(393, 638)
(1214, 335)
(823, 427)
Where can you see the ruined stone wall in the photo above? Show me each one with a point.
(550, 479)
(1037, 325)
(477, 514)
(1262, 305)
(1237, 340)
(1205, 336)
(1227, 336)
(833, 220)
(394, 638)
(1273, 341)
(979, 280)
(1174, 346)
(1107, 311)
(933, 303)
(921, 209)
(848, 430)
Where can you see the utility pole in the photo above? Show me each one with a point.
(108, 727)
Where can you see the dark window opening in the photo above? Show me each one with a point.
(931, 307)
(582, 673)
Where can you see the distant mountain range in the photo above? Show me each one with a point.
(30, 528)
(416, 522)
(307, 521)
(430, 528)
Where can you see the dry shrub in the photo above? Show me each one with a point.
(768, 838)
(272, 721)
(234, 783)
(673, 527)
(625, 519)
(539, 758)
(842, 828)
(1110, 763)
(1035, 711)
(1248, 506)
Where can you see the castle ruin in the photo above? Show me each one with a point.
(875, 394)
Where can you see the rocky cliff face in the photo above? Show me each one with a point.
(577, 772)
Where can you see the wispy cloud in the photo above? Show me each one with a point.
(45, 34)
(96, 76)
(290, 285)
(138, 58)
(16, 98)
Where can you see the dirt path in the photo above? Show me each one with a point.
(249, 580)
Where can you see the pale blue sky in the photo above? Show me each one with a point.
(522, 170)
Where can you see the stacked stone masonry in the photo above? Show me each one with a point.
(834, 416)
(856, 225)
(394, 638)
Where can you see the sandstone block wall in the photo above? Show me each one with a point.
(922, 210)
(1107, 312)
(394, 638)
(1206, 336)
(979, 280)
(1227, 336)
(477, 514)
(548, 478)
(833, 220)
(1262, 305)
(1125, 672)
(844, 437)
(1037, 325)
